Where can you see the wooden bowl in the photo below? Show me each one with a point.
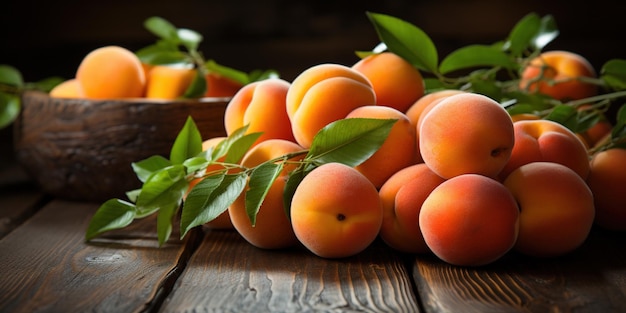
(79, 149)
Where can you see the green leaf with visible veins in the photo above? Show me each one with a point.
(188, 143)
(406, 40)
(475, 56)
(349, 141)
(145, 168)
(210, 198)
(163, 189)
(113, 214)
(165, 219)
(261, 180)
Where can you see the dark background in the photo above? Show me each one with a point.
(49, 38)
(45, 38)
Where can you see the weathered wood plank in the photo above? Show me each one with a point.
(227, 274)
(591, 279)
(45, 264)
(19, 198)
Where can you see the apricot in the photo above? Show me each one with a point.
(323, 94)
(397, 152)
(466, 133)
(111, 72)
(272, 229)
(396, 82)
(545, 140)
(67, 89)
(607, 181)
(402, 197)
(336, 211)
(221, 86)
(261, 106)
(557, 209)
(469, 220)
(168, 82)
(415, 111)
(557, 74)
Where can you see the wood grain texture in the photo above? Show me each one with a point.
(83, 149)
(227, 274)
(46, 266)
(591, 279)
(19, 198)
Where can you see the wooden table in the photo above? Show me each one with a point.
(46, 266)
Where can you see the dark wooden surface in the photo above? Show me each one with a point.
(45, 266)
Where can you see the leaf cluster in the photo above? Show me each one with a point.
(180, 47)
(495, 70)
(12, 85)
(165, 182)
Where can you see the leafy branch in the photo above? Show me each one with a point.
(495, 69)
(180, 47)
(166, 181)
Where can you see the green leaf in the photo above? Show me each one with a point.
(261, 180)
(145, 168)
(223, 146)
(189, 38)
(210, 198)
(195, 164)
(349, 141)
(162, 53)
(240, 146)
(10, 106)
(197, 88)
(475, 56)
(258, 75)
(11, 76)
(613, 73)
(619, 130)
(188, 143)
(163, 189)
(523, 33)
(547, 33)
(161, 28)
(165, 219)
(113, 214)
(564, 115)
(236, 75)
(406, 40)
(293, 181)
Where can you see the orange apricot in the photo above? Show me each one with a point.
(111, 72)
(67, 89)
(221, 86)
(402, 197)
(469, 220)
(336, 211)
(272, 229)
(466, 133)
(557, 209)
(557, 74)
(607, 181)
(397, 152)
(396, 82)
(261, 106)
(168, 82)
(545, 140)
(417, 109)
(323, 94)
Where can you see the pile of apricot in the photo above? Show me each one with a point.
(114, 72)
(458, 176)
